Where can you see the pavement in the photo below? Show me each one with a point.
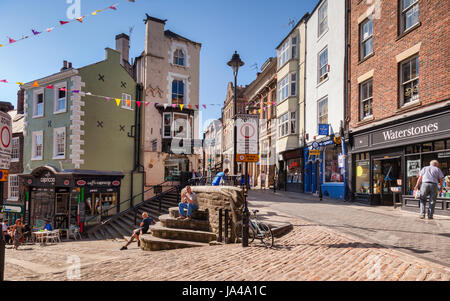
(311, 251)
(389, 227)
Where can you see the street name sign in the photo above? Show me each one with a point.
(247, 138)
(5, 140)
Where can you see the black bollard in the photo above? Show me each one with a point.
(219, 239)
(226, 227)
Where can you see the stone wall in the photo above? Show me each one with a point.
(214, 198)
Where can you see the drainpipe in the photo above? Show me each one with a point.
(344, 126)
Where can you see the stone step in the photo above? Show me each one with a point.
(182, 234)
(198, 214)
(193, 224)
(151, 243)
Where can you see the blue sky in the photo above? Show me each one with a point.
(252, 27)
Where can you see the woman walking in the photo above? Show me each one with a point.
(18, 234)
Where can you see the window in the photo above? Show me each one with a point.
(154, 145)
(167, 126)
(323, 111)
(366, 38)
(15, 153)
(323, 18)
(178, 57)
(294, 47)
(331, 166)
(37, 142)
(38, 104)
(409, 14)
(60, 103)
(13, 187)
(409, 81)
(283, 54)
(126, 101)
(283, 86)
(59, 143)
(287, 124)
(323, 65)
(362, 181)
(181, 127)
(366, 99)
(178, 92)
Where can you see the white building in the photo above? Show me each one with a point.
(325, 69)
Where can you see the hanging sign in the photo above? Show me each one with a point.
(5, 140)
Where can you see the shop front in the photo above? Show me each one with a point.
(325, 169)
(70, 197)
(12, 212)
(387, 161)
(293, 170)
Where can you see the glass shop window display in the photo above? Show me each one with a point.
(331, 167)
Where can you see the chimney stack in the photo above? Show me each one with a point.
(123, 46)
(70, 65)
(64, 66)
(20, 101)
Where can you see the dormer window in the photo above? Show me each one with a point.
(178, 57)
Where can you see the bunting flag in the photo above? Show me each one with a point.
(129, 103)
(36, 84)
(4, 81)
(19, 83)
(138, 104)
(147, 103)
(63, 89)
(63, 22)
(118, 100)
(181, 106)
(165, 106)
(108, 99)
(49, 87)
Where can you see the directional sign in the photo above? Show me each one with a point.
(314, 152)
(247, 137)
(5, 140)
(247, 158)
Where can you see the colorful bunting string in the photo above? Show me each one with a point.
(61, 23)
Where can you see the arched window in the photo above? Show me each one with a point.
(177, 92)
(178, 57)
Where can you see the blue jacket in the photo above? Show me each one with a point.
(218, 178)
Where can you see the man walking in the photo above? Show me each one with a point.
(430, 177)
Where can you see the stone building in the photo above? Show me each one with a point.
(169, 71)
(261, 95)
(399, 109)
(291, 70)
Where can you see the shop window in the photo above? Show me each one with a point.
(331, 166)
(362, 183)
(439, 145)
(173, 169)
(413, 166)
(427, 147)
(294, 172)
(413, 149)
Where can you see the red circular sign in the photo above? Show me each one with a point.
(30, 181)
(116, 183)
(251, 130)
(81, 183)
(66, 182)
(6, 140)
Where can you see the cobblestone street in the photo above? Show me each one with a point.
(308, 252)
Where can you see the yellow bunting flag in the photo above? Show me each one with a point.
(118, 100)
(96, 12)
(36, 84)
(1, 45)
(19, 83)
(181, 106)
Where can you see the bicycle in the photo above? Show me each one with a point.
(257, 230)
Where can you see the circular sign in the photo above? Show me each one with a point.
(66, 182)
(81, 183)
(315, 145)
(5, 137)
(116, 183)
(30, 181)
(251, 130)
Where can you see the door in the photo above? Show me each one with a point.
(62, 210)
(386, 174)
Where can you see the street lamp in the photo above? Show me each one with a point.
(235, 63)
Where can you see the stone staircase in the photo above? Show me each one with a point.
(172, 233)
(122, 225)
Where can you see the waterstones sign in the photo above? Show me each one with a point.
(423, 130)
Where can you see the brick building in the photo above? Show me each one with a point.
(13, 201)
(398, 110)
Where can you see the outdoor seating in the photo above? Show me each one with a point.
(74, 232)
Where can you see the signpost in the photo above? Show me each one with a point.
(5, 159)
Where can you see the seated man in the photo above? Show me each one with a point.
(189, 202)
(48, 226)
(144, 226)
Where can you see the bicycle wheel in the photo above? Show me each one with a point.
(266, 235)
(238, 231)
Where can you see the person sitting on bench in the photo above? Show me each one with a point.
(189, 202)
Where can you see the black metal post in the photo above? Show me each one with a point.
(226, 227)
(245, 212)
(235, 129)
(2, 240)
(219, 239)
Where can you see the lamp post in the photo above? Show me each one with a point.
(235, 63)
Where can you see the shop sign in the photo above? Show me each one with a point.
(314, 152)
(98, 183)
(48, 178)
(444, 155)
(413, 168)
(324, 129)
(11, 209)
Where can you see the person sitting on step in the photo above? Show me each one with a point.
(189, 202)
(144, 226)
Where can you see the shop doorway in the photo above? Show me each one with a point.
(62, 210)
(387, 173)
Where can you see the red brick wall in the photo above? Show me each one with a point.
(433, 57)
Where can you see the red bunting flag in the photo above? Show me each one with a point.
(50, 29)
(196, 106)
(49, 87)
(138, 104)
(63, 22)
(147, 103)
(204, 106)
(63, 89)
(190, 107)
(113, 7)
(4, 81)
(80, 19)
(12, 40)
